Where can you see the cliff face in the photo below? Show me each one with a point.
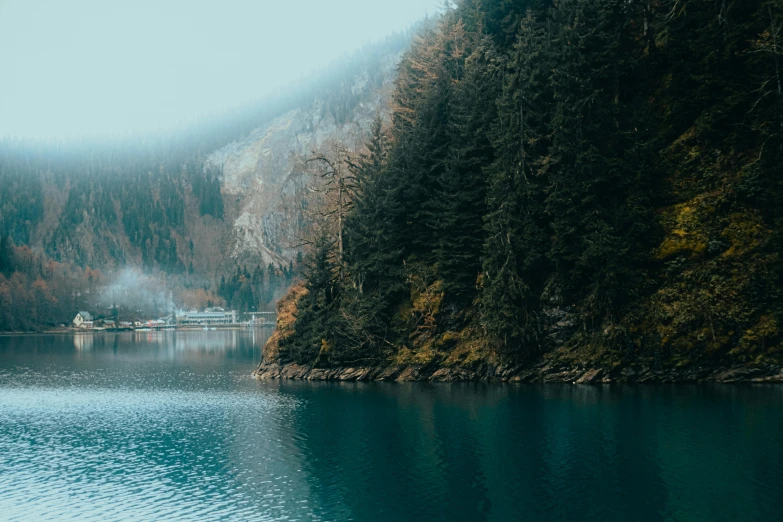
(263, 168)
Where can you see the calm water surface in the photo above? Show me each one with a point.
(170, 426)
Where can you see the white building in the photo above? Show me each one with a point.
(210, 316)
(83, 320)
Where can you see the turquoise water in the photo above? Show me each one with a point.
(170, 426)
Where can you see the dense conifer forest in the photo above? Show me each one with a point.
(584, 180)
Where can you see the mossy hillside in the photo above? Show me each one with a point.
(567, 184)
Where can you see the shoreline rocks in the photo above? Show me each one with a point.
(539, 373)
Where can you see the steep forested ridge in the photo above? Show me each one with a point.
(593, 183)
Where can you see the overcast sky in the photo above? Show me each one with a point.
(86, 68)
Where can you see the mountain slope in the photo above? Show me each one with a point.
(78, 202)
(213, 205)
(565, 186)
(258, 170)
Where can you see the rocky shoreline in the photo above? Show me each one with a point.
(539, 373)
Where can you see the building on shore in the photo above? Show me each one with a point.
(210, 316)
(83, 320)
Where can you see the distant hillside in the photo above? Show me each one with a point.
(144, 203)
(201, 207)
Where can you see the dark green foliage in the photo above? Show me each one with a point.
(373, 253)
(21, 199)
(595, 195)
(206, 186)
(93, 191)
(7, 264)
(514, 261)
(460, 200)
(316, 317)
(258, 291)
(599, 175)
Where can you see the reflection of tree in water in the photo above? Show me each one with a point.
(146, 419)
(389, 452)
(382, 451)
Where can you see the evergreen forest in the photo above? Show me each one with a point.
(583, 181)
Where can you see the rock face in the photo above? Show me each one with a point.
(540, 373)
(265, 167)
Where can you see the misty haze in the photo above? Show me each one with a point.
(412, 260)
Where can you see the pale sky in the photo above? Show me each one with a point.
(101, 68)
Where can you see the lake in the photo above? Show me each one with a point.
(170, 426)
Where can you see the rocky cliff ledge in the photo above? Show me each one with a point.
(542, 372)
(557, 366)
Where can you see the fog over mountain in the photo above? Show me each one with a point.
(176, 148)
(89, 68)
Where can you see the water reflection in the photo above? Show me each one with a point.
(169, 425)
(82, 342)
(484, 452)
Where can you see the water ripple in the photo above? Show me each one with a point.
(153, 430)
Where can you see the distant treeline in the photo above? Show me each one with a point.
(35, 291)
(38, 293)
(257, 291)
(596, 177)
(138, 201)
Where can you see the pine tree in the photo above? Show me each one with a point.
(513, 264)
(373, 248)
(591, 185)
(315, 317)
(461, 199)
(6, 255)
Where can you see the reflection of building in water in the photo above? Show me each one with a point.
(220, 341)
(83, 342)
(208, 316)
